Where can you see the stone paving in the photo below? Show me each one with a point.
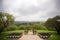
(30, 36)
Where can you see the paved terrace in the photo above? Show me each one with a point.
(30, 36)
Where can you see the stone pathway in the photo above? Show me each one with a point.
(30, 36)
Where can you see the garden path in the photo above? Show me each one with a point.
(30, 36)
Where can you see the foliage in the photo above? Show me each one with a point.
(53, 23)
(50, 24)
(5, 20)
(39, 26)
(22, 27)
(11, 28)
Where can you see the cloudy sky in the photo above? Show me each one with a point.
(31, 10)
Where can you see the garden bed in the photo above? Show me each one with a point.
(44, 35)
(15, 35)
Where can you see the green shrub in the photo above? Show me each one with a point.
(11, 27)
(40, 27)
(22, 27)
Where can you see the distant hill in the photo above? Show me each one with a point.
(20, 22)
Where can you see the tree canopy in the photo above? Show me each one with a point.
(5, 20)
(53, 23)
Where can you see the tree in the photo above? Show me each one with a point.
(39, 26)
(11, 28)
(52, 23)
(5, 20)
(57, 23)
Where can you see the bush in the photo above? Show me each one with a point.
(22, 27)
(11, 27)
(40, 27)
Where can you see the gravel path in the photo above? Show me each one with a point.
(30, 36)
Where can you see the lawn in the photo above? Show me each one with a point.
(4, 34)
(17, 31)
(54, 35)
(46, 31)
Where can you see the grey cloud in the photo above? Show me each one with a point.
(52, 14)
(57, 2)
(30, 10)
(56, 10)
(0, 5)
(34, 10)
(51, 8)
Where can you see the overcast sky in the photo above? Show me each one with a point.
(31, 10)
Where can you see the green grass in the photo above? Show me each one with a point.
(4, 34)
(54, 35)
(46, 31)
(17, 31)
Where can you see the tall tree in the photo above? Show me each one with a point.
(53, 23)
(57, 23)
(5, 20)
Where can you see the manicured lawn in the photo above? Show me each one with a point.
(46, 31)
(4, 34)
(17, 31)
(54, 35)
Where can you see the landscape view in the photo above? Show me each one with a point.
(29, 19)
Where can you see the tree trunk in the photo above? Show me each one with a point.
(1, 30)
(57, 30)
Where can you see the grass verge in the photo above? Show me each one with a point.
(54, 35)
(4, 34)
